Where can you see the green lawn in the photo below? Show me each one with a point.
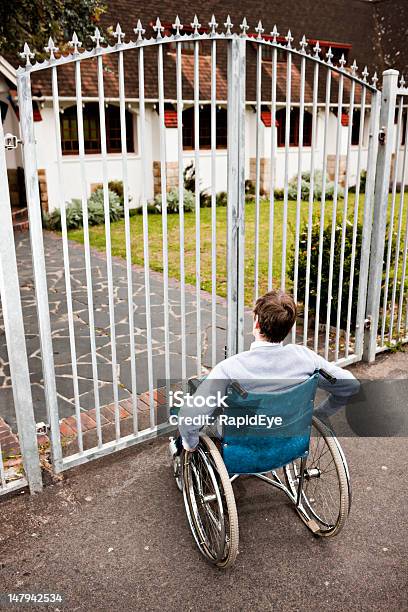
(97, 237)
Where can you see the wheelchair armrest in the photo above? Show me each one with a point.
(327, 376)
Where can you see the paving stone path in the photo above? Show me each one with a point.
(60, 335)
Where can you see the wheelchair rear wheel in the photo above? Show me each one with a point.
(210, 503)
(326, 494)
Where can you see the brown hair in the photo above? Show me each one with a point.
(276, 312)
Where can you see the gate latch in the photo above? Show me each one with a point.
(11, 142)
(381, 136)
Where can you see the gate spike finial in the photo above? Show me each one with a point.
(375, 80)
(342, 61)
(228, 25)
(27, 54)
(402, 81)
(213, 25)
(260, 30)
(158, 28)
(274, 34)
(329, 56)
(139, 30)
(303, 44)
(75, 43)
(196, 25)
(118, 34)
(51, 48)
(177, 25)
(354, 68)
(244, 26)
(289, 39)
(317, 49)
(364, 74)
(97, 38)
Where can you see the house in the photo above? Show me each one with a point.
(358, 29)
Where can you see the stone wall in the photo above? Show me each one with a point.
(264, 182)
(171, 175)
(331, 168)
(42, 181)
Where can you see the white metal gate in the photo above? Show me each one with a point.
(300, 243)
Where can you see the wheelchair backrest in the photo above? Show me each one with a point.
(264, 431)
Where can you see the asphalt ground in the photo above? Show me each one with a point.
(113, 535)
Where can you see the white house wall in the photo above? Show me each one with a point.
(46, 150)
(71, 188)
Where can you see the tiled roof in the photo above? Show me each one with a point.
(353, 22)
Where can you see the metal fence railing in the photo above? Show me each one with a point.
(310, 150)
(16, 349)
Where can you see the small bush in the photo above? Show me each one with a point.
(317, 187)
(151, 210)
(205, 200)
(222, 198)
(173, 201)
(363, 181)
(189, 177)
(249, 188)
(314, 258)
(279, 194)
(116, 187)
(96, 214)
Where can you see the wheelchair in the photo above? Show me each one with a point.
(304, 460)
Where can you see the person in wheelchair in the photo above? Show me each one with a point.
(274, 374)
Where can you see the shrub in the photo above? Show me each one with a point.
(250, 188)
(151, 210)
(363, 181)
(96, 215)
(205, 199)
(314, 258)
(73, 216)
(116, 187)
(173, 201)
(189, 177)
(279, 194)
(317, 187)
(222, 198)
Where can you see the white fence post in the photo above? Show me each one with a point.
(15, 338)
(236, 194)
(37, 252)
(382, 182)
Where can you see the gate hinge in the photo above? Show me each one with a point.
(382, 135)
(11, 141)
(367, 323)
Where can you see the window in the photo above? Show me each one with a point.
(205, 128)
(294, 127)
(404, 128)
(355, 129)
(92, 138)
